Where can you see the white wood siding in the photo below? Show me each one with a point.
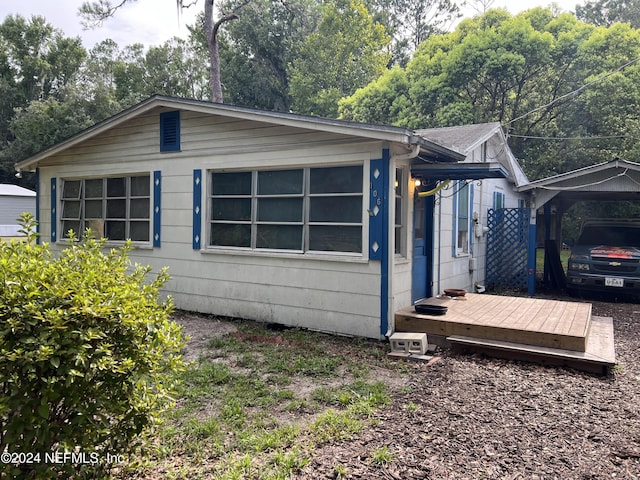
(453, 271)
(333, 293)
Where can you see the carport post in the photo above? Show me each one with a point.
(531, 262)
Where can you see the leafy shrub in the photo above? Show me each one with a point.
(88, 355)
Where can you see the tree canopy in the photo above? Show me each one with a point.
(538, 73)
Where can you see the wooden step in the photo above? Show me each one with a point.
(599, 356)
(533, 321)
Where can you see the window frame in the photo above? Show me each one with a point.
(102, 220)
(460, 219)
(400, 213)
(306, 223)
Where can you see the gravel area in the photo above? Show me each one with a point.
(471, 417)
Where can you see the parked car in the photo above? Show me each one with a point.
(606, 257)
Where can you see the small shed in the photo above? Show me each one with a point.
(14, 200)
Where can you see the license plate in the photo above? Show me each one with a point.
(614, 282)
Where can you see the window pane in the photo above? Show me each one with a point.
(139, 231)
(140, 186)
(115, 230)
(280, 182)
(231, 209)
(93, 209)
(231, 235)
(93, 188)
(398, 241)
(96, 226)
(116, 209)
(139, 208)
(287, 237)
(116, 187)
(335, 239)
(233, 183)
(398, 211)
(71, 209)
(71, 225)
(336, 209)
(336, 180)
(280, 209)
(71, 189)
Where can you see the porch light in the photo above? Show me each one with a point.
(417, 182)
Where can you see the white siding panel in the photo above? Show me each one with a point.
(330, 293)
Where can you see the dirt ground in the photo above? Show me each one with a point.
(472, 417)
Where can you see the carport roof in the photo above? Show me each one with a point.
(614, 180)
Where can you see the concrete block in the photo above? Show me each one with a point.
(409, 342)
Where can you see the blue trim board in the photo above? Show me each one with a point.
(384, 261)
(376, 207)
(54, 205)
(197, 209)
(157, 214)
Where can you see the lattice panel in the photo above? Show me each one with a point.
(507, 248)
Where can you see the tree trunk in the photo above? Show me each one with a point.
(211, 30)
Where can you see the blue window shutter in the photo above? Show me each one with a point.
(197, 209)
(157, 214)
(54, 205)
(377, 180)
(170, 131)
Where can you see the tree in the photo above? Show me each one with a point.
(608, 12)
(37, 62)
(541, 74)
(257, 48)
(96, 12)
(345, 52)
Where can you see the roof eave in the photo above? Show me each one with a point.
(374, 132)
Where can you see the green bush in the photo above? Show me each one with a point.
(88, 356)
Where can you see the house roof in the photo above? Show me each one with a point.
(463, 138)
(466, 138)
(7, 190)
(403, 136)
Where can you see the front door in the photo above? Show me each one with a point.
(422, 247)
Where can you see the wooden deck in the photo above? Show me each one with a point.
(551, 332)
(523, 320)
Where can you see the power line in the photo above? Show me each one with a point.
(603, 137)
(574, 92)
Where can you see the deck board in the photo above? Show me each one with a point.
(598, 357)
(531, 321)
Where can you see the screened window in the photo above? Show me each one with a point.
(498, 200)
(312, 209)
(117, 208)
(461, 213)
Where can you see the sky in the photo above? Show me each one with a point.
(152, 22)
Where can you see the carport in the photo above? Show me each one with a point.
(616, 180)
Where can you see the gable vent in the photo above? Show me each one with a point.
(170, 131)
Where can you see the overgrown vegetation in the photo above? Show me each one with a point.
(257, 402)
(88, 356)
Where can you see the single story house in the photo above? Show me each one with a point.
(310, 222)
(14, 201)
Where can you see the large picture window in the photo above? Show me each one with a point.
(305, 209)
(116, 208)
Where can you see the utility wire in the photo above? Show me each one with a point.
(569, 138)
(574, 92)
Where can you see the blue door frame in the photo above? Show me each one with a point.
(422, 262)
